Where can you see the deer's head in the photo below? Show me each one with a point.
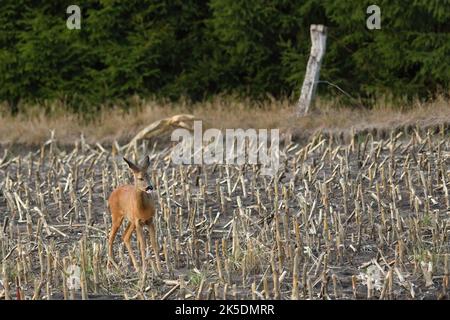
(141, 177)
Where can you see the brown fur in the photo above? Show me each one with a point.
(132, 203)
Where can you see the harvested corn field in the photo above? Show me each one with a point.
(367, 218)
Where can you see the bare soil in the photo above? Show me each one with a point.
(362, 218)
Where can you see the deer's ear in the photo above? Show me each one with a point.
(145, 163)
(132, 166)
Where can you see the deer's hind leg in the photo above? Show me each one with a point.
(127, 240)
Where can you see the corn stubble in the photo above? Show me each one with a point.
(361, 219)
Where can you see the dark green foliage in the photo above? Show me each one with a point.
(410, 55)
(196, 48)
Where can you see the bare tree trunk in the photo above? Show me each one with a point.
(318, 46)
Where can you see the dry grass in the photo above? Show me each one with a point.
(33, 127)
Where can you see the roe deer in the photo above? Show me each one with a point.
(135, 203)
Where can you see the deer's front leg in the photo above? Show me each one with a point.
(141, 241)
(154, 242)
(127, 240)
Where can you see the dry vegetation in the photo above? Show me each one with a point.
(32, 127)
(361, 218)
